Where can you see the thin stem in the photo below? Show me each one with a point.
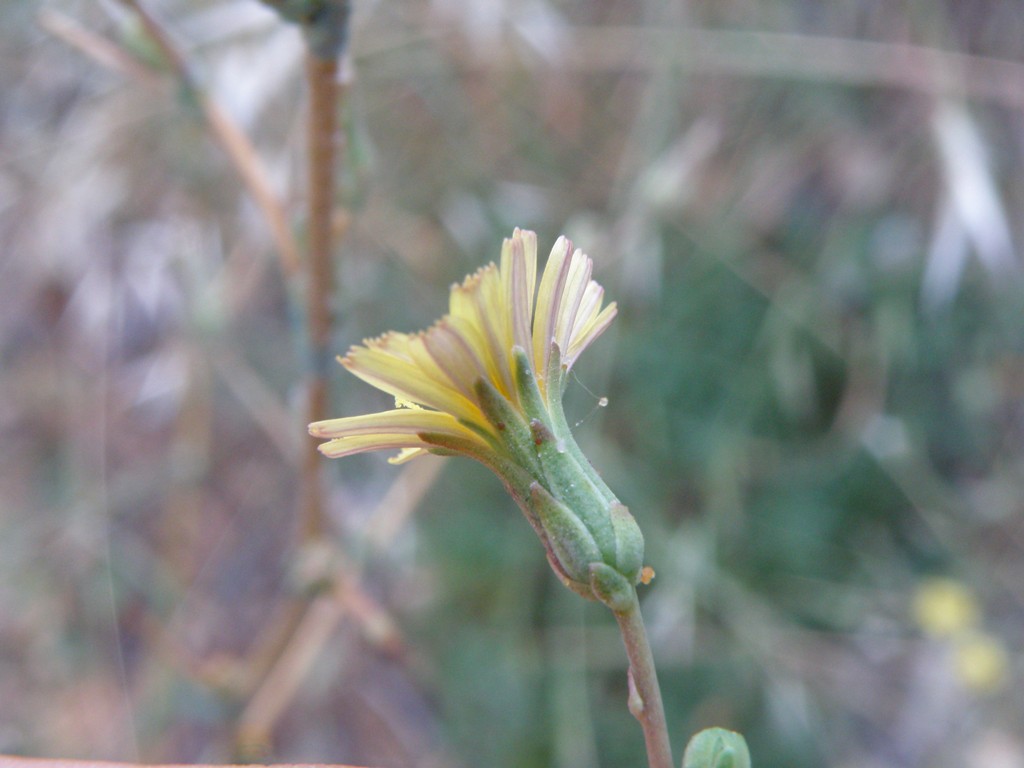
(288, 637)
(230, 137)
(644, 691)
(321, 78)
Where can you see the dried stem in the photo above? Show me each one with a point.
(230, 137)
(292, 667)
(324, 94)
(644, 691)
(95, 47)
(289, 658)
(306, 627)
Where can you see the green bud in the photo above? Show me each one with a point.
(593, 542)
(717, 748)
(566, 480)
(570, 541)
(611, 587)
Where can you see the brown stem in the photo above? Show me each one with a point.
(277, 652)
(644, 691)
(321, 79)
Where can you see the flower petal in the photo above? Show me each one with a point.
(388, 430)
(485, 322)
(590, 330)
(580, 267)
(549, 297)
(454, 354)
(589, 306)
(398, 421)
(407, 454)
(519, 281)
(349, 446)
(388, 364)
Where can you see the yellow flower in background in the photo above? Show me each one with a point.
(486, 381)
(944, 607)
(980, 661)
(435, 375)
(948, 610)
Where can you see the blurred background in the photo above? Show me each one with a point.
(810, 215)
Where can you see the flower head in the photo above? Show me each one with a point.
(486, 381)
(434, 375)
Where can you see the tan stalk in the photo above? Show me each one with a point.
(324, 97)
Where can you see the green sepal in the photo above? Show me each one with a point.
(560, 426)
(483, 432)
(717, 748)
(568, 483)
(629, 543)
(529, 394)
(611, 587)
(541, 434)
(570, 541)
(444, 444)
(514, 434)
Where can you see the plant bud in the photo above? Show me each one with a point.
(717, 748)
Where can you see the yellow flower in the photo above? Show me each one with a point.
(944, 606)
(981, 661)
(434, 374)
(486, 381)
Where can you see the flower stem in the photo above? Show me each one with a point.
(644, 691)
